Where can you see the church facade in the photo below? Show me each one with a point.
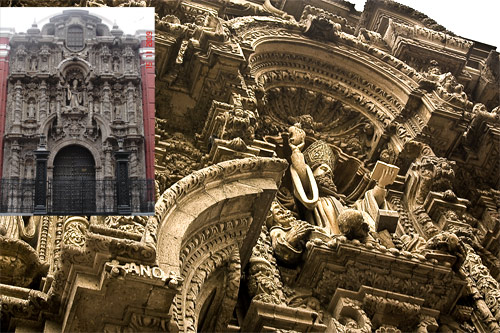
(317, 169)
(75, 120)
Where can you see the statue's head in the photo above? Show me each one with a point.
(321, 158)
(352, 224)
(443, 241)
(479, 107)
(313, 303)
(297, 134)
(75, 83)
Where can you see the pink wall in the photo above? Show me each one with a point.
(4, 73)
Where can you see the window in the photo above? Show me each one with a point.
(74, 39)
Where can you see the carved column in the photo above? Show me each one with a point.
(14, 173)
(485, 288)
(18, 106)
(122, 181)
(41, 178)
(133, 174)
(232, 286)
(131, 109)
(106, 101)
(91, 111)
(42, 106)
(59, 105)
(109, 191)
(14, 162)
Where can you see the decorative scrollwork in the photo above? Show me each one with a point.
(75, 229)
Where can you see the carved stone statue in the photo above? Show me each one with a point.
(118, 111)
(116, 65)
(299, 168)
(314, 187)
(319, 194)
(34, 64)
(105, 64)
(74, 95)
(31, 109)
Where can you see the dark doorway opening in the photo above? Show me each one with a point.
(74, 182)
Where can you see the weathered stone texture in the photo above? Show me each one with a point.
(317, 169)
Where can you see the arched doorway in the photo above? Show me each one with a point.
(73, 182)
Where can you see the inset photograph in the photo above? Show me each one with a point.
(77, 111)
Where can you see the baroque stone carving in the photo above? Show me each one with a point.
(264, 280)
(332, 92)
(74, 231)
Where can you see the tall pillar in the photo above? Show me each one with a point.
(5, 36)
(122, 181)
(147, 54)
(42, 155)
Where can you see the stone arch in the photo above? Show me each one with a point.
(341, 71)
(201, 218)
(67, 64)
(98, 157)
(31, 108)
(334, 66)
(45, 125)
(102, 124)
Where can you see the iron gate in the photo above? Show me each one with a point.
(73, 185)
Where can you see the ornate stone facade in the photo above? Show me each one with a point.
(75, 90)
(317, 169)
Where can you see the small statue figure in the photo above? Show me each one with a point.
(31, 109)
(105, 65)
(128, 64)
(116, 65)
(34, 64)
(118, 111)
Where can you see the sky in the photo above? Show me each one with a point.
(128, 19)
(473, 19)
